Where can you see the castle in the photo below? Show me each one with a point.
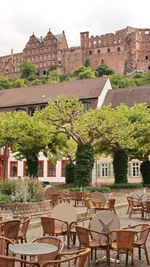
(126, 51)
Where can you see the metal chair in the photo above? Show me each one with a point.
(12, 262)
(78, 256)
(52, 240)
(123, 244)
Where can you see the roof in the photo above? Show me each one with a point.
(58, 37)
(128, 96)
(83, 89)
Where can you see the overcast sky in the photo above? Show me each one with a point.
(20, 18)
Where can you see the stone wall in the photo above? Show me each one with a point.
(33, 209)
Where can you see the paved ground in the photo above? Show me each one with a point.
(35, 231)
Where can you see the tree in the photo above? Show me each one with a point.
(53, 77)
(84, 72)
(4, 83)
(27, 70)
(104, 69)
(120, 81)
(87, 62)
(19, 83)
(120, 164)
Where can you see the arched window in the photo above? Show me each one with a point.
(98, 51)
(108, 50)
(118, 49)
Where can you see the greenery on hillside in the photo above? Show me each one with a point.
(29, 76)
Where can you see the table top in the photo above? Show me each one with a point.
(32, 249)
(65, 212)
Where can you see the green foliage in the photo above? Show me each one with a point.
(27, 70)
(7, 187)
(145, 170)
(53, 77)
(84, 164)
(19, 83)
(87, 62)
(35, 190)
(70, 171)
(103, 189)
(53, 67)
(120, 165)
(120, 81)
(36, 82)
(64, 77)
(103, 69)
(4, 199)
(125, 186)
(4, 83)
(84, 72)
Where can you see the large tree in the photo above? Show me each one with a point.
(27, 70)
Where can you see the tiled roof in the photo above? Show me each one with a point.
(83, 89)
(128, 96)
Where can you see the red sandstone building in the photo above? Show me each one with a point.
(126, 51)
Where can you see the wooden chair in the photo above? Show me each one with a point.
(142, 235)
(54, 227)
(52, 240)
(4, 245)
(123, 244)
(79, 257)
(11, 229)
(22, 235)
(86, 240)
(12, 262)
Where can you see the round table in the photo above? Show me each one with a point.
(32, 249)
(98, 197)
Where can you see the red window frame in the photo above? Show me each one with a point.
(48, 167)
(24, 168)
(63, 163)
(11, 166)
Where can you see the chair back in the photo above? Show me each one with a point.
(48, 225)
(6, 261)
(87, 203)
(111, 203)
(52, 240)
(4, 244)
(82, 257)
(83, 236)
(147, 205)
(24, 225)
(144, 233)
(11, 229)
(79, 196)
(125, 238)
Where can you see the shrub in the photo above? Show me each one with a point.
(103, 189)
(35, 190)
(120, 165)
(7, 187)
(70, 173)
(4, 199)
(125, 186)
(145, 170)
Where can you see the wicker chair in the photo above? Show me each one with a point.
(135, 206)
(142, 235)
(54, 227)
(12, 262)
(78, 197)
(4, 245)
(11, 229)
(110, 205)
(22, 236)
(146, 208)
(52, 240)
(78, 256)
(84, 222)
(123, 244)
(86, 240)
(90, 206)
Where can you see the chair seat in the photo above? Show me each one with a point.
(59, 231)
(94, 243)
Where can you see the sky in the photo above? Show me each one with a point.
(20, 18)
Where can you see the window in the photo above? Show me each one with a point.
(98, 51)
(118, 49)
(104, 170)
(108, 50)
(63, 164)
(135, 169)
(25, 169)
(148, 67)
(90, 52)
(51, 169)
(40, 168)
(86, 105)
(146, 57)
(31, 110)
(13, 169)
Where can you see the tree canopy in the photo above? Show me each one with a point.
(27, 70)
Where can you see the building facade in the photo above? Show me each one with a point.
(126, 51)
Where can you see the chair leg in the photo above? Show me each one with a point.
(146, 255)
(127, 254)
(139, 249)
